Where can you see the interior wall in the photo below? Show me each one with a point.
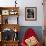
(37, 25)
(31, 3)
(26, 3)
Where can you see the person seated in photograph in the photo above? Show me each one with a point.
(30, 13)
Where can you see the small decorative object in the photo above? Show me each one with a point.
(6, 21)
(16, 35)
(15, 3)
(15, 30)
(30, 13)
(5, 12)
(7, 34)
(13, 12)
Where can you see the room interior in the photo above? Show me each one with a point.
(16, 16)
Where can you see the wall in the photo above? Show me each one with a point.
(26, 3)
(37, 25)
(31, 3)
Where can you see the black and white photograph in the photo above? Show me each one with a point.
(30, 13)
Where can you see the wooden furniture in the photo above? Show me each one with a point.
(10, 43)
(11, 26)
(0, 43)
(5, 12)
(44, 4)
(8, 11)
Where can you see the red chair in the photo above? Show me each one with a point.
(29, 33)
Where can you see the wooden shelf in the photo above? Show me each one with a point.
(4, 13)
(11, 26)
(9, 9)
(10, 43)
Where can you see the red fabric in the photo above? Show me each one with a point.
(29, 33)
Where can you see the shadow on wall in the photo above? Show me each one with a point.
(37, 29)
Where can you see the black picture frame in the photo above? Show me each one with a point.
(30, 13)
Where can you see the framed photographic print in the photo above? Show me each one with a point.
(30, 13)
(5, 12)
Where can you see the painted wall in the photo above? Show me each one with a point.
(31, 3)
(26, 3)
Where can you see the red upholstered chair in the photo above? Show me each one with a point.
(28, 34)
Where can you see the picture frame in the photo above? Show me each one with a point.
(5, 12)
(30, 13)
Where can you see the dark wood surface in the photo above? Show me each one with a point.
(11, 26)
(9, 43)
